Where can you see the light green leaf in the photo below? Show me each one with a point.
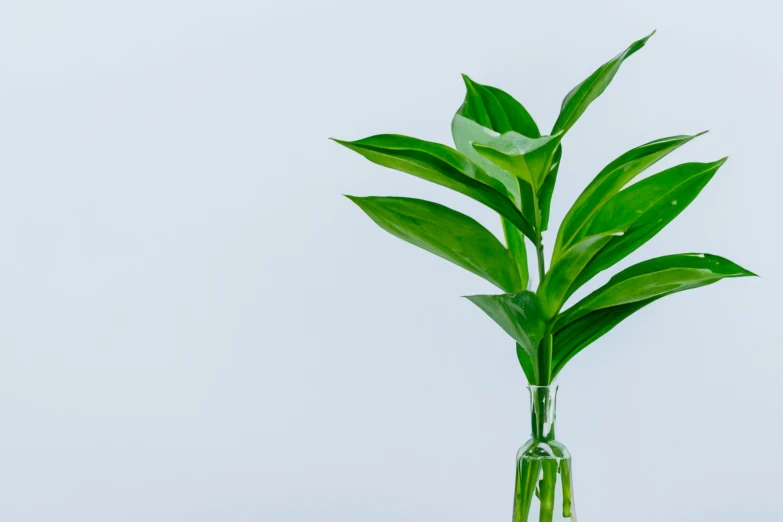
(445, 233)
(529, 159)
(643, 210)
(609, 182)
(654, 278)
(442, 165)
(581, 96)
(519, 315)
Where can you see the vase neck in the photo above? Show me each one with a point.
(543, 403)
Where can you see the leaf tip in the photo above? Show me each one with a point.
(702, 133)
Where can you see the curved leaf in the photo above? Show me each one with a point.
(554, 289)
(496, 110)
(548, 188)
(442, 165)
(581, 96)
(654, 278)
(519, 315)
(445, 233)
(572, 338)
(529, 159)
(643, 210)
(609, 182)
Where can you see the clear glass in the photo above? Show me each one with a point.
(544, 487)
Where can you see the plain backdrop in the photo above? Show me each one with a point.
(197, 326)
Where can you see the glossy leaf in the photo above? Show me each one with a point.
(654, 278)
(548, 189)
(445, 233)
(496, 110)
(529, 159)
(442, 165)
(466, 132)
(528, 364)
(519, 315)
(609, 182)
(573, 337)
(554, 289)
(581, 96)
(643, 210)
(516, 245)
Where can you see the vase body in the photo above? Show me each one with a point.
(544, 487)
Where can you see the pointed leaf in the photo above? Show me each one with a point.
(528, 364)
(581, 96)
(572, 338)
(548, 188)
(518, 314)
(643, 210)
(465, 132)
(442, 165)
(609, 182)
(654, 278)
(516, 245)
(554, 289)
(445, 233)
(496, 110)
(529, 159)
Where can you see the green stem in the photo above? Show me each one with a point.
(527, 478)
(548, 484)
(565, 476)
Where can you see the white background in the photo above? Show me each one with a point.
(197, 326)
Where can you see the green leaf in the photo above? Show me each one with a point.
(654, 278)
(442, 165)
(516, 245)
(496, 110)
(573, 337)
(465, 132)
(529, 159)
(519, 315)
(554, 289)
(643, 210)
(445, 233)
(609, 182)
(528, 364)
(548, 188)
(581, 96)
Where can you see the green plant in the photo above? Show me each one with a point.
(503, 161)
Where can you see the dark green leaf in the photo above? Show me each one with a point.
(496, 110)
(554, 289)
(575, 336)
(446, 233)
(442, 165)
(528, 364)
(654, 278)
(516, 245)
(548, 188)
(581, 96)
(519, 315)
(609, 182)
(643, 210)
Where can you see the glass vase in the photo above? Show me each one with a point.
(544, 487)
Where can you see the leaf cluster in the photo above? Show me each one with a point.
(501, 159)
